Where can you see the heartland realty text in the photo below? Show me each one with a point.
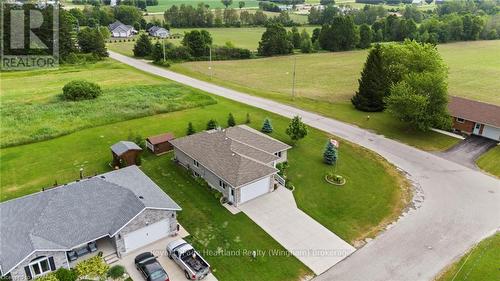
(277, 252)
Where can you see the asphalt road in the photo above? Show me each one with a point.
(455, 206)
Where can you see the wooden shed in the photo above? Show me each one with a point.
(160, 144)
(125, 153)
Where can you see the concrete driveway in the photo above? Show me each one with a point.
(467, 151)
(158, 248)
(312, 243)
(456, 206)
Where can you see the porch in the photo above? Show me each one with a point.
(85, 252)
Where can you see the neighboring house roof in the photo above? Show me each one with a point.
(476, 111)
(67, 216)
(123, 146)
(160, 138)
(234, 161)
(254, 138)
(117, 26)
(155, 28)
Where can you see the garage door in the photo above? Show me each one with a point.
(146, 235)
(491, 132)
(255, 189)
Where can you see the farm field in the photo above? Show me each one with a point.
(474, 68)
(165, 4)
(33, 111)
(480, 263)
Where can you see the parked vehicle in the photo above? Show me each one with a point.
(193, 265)
(150, 268)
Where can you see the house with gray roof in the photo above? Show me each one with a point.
(157, 31)
(44, 231)
(238, 161)
(121, 30)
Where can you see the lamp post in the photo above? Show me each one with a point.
(210, 61)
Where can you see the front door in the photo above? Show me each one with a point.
(231, 195)
(477, 127)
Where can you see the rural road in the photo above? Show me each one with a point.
(455, 206)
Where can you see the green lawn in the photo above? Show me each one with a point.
(214, 229)
(481, 263)
(32, 111)
(372, 195)
(490, 161)
(243, 37)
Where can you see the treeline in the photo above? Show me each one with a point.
(104, 15)
(196, 45)
(203, 16)
(454, 21)
(141, 4)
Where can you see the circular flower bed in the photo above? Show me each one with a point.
(335, 179)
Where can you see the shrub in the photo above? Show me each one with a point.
(116, 271)
(92, 268)
(267, 127)
(212, 124)
(47, 277)
(64, 274)
(81, 90)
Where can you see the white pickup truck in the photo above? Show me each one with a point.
(193, 265)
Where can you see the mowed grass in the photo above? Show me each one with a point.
(490, 161)
(243, 37)
(474, 68)
(372, 195)
(481, 263)
(380, 122)
(30, 115)
(226, 240)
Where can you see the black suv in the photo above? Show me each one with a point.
(150, 268)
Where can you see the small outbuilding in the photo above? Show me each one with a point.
(160, 144)
(125, 153)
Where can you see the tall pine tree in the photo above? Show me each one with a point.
(267, 127)
(373, 84)
(330, 154)
(230, 120)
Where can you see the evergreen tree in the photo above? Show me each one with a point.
(143, 46)
(91, 41)
(295, 37)
(296, 129)
(190, 129)
(267, 127)
(230, 120)
(330, 154)
(365, 36)
(157, 52)
(247, 121)
(373, 84)
(212, 124)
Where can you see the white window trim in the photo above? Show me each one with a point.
(460, 120)
(38, 263)
(196, 163)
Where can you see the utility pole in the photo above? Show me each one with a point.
(293, 78)
(164, 57)
(210, 63)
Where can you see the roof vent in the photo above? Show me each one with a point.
(103, 177)
(141, 197)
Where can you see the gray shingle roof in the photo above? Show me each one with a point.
(67, 216)
(119, 27)
(234, 160)
(254, 138)
(123, 146)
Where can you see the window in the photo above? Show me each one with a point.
(196, 163)
(196, 174)
(478, 125)
(40, 266)
(222, 184)
(460, 120)
(232, 192)
(278, 154)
